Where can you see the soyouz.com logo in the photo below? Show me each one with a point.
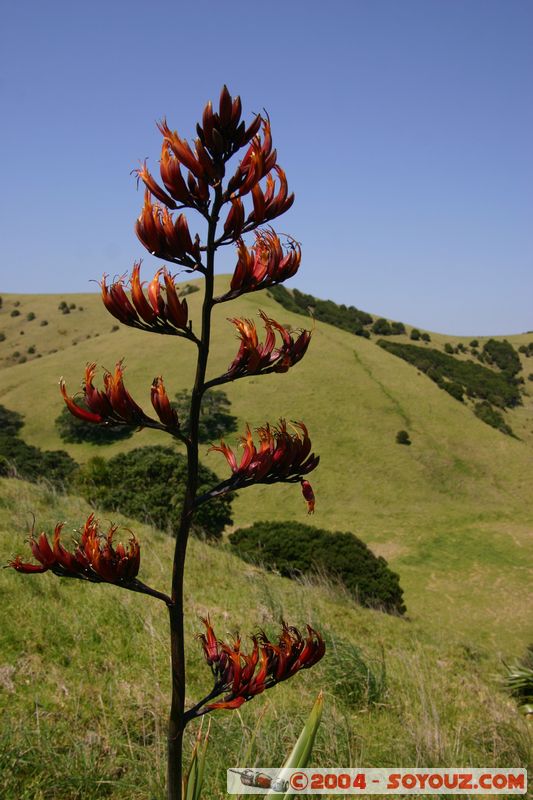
(453, 780)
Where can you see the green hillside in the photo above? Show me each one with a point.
(453, 513)
(84, 678)
(83, 669)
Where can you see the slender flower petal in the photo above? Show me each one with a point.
(161, 404)
(94, 559)
(241, 676)
(253, 357)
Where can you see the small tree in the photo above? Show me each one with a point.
(402, 437)
(415, 334)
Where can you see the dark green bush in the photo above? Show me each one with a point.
(474, 343)
(382, 327)
(43, 323)
(502, 355)
(215, 419)
(27, 461)
(15, 313)
(30, 316)
(488, 414)
(402, 437)
(296, 549)
(453, 388)
(348, 318)
(397, 328)
(448, 348)
(481, 382)
(426, 337)
(189, 288)
(415, 334)
(149, 483)
(2, 336)
(75, 431)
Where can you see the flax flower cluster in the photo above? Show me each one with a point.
(115, 404)
(152, 314)
(244, 675)
(282, 456)
(254, 358)
(94, 559)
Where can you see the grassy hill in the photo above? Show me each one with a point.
(452, 513)
(84, 678)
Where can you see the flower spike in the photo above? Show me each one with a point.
(241, 676)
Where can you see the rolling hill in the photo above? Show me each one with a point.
(84, 669)
(453, 513)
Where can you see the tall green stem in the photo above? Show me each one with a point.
(177, 645)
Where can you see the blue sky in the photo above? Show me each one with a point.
(405, 128)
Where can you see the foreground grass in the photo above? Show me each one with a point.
(84, 675)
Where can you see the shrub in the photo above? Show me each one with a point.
(503, 355)
(10, 422)
(530, 376)
(415, 334)
(75, 431)
(215, 419)
(474, 343)
(148, 483)
(382, 327)
(15, 313)
(62, 305)
(349, 318)
(453, 388)
(2, 336)
(397, 328)
(30, 316)
(488, 414)
(425, 337)
(32, 349)
(189, 288)
(31, 462)
(114, 328)
(65, 310)
(519, 681)
(402, 437)
(481, 382)
(296, 549)
(72, 306)
(43, 323)
(448, 348)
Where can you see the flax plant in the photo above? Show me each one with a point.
(231, 204)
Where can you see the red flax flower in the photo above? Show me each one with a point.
(154, 313)
(254, 357)
(263, 265)
(165, 238)
(115, 403)
(244, 675)
(282, 456)
(94, 559)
